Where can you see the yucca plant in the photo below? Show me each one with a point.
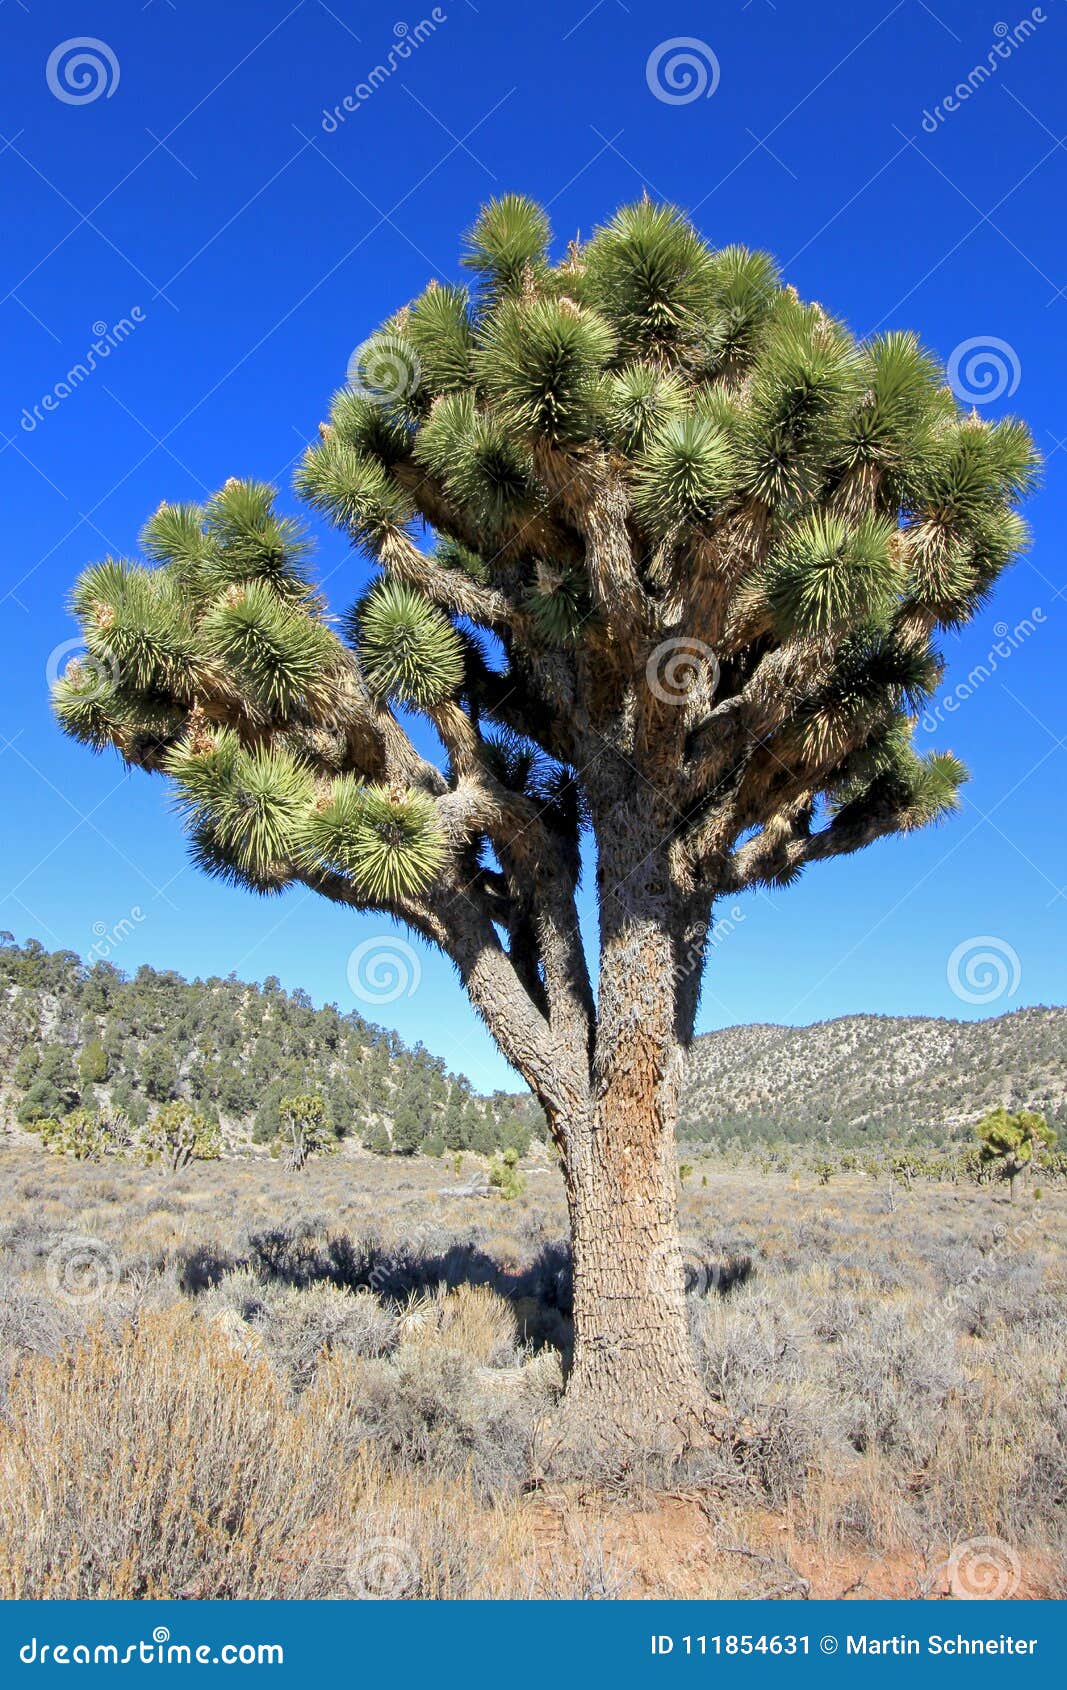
(306, 1117)
(178, 1134)
(663, 557)
(88, 1135)
(1009, 1140)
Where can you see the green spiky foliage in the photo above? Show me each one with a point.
(178, 1134)
(307, 1121)
(661, 553)
(1009, 1140)
(214, 663)
(409, 649)
(646, 444)
(87, 1135)
(388, 844)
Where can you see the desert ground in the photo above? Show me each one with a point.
(241, 1381)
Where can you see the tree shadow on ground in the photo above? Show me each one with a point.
(540, 1294)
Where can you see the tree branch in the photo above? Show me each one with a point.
(776, 857)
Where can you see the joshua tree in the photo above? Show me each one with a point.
(178, 1134)
(1009, 1142)
(88, 1135)
(663, 555)
(309, 1131)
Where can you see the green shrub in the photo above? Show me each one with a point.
(505, 1177)
(87, 1135)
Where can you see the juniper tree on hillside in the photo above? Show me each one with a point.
(663, 554)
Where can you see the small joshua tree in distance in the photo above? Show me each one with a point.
(309, 1130)
(88, 1135)
(663, 555)
(1008, 1142)
(504, 1175)
(178, 1134)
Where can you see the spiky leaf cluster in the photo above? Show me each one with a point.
(409, 650)
(827, 576)
(569, 472)
(1008, 1141)
(216, 664)
(178, 1134)
(388, 843)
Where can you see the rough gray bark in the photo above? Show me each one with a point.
(634, 1377)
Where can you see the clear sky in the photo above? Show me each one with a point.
(244, 247)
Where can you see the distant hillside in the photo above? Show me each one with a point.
(73, 1035)
(869, 1079)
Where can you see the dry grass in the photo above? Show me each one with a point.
(338, 1383)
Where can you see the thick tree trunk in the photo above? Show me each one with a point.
(634, 1378)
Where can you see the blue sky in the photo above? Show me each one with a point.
(249, 249)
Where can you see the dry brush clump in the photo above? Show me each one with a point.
(171, 1463)
(318, 1395)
